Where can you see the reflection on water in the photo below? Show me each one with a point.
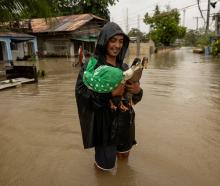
(177, 128)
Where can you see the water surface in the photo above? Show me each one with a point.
(177, 128)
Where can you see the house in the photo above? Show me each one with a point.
(216, 17)
(145, 49)
(62, 36)
(14, 46)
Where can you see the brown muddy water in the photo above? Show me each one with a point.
(177, 128)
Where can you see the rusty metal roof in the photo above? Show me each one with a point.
(62, 23)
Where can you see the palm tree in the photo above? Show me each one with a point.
(14, 10)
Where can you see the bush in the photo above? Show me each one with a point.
(216, 47)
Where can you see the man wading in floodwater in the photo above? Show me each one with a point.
(111, 132)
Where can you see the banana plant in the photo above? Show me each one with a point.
(13, 10)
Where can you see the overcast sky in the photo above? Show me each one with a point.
(138, 8)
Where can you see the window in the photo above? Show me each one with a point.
(14, 46)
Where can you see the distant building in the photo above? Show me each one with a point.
(216, 17)
(62, 36)
(133, 39)
(145, 49)
(15, 46)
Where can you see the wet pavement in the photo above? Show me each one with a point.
(177, 128)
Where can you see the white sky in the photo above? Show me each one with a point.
(138, 8)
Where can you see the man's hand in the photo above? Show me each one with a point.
(133, 87)
(119, 90)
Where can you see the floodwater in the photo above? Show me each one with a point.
(177, 128)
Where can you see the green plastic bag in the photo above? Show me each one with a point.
(102, 79)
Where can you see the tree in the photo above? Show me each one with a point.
(134, 32)
(216, 47)
(164, 26)
(14, 10)
(198, 37)
(96, 7)
(204, 38)
(191, 37)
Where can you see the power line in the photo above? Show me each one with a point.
(129, 16)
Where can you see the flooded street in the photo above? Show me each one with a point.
(177, 128)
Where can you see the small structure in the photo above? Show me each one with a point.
(15, 82)
(25, 71)
(62, 36)
(216, 17)
(198, 50)
(18, 75)
(145, 49)
(15, 46)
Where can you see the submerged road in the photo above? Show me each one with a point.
(177, 128)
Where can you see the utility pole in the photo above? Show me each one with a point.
(138, 22)
(207, 19)
(127, 21)
(138, 36)
(126, 25)
(197, 22)
(184, 15)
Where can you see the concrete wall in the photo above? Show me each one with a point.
(18, 52)
(58, 46)
(4, 54)
(146, 49)
(217, 25)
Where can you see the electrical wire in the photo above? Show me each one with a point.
(134, 21)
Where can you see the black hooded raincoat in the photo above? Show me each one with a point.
(100, 125)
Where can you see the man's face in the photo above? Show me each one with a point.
(114, 45)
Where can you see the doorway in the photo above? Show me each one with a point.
(1, 52)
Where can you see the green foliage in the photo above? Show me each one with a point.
(216, 47)
(33, 58)
(164, 26)
(41, 73)
(14, 10)
(191, 37)
(135, 32)
(198, 38)
(204, 39)
(96, 7)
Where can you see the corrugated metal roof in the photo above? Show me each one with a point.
(63, 23)
(15, 34)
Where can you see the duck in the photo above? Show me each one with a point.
(133, 74)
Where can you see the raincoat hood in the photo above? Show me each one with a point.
(109, 30)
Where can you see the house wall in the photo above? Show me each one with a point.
(3, 51)
(217, 25)
(88, 47)
(66, 43)
(7, 55)
(58, 46)
(146, 49)
(11, 50)
(17, 51)
(20, 50)
(72, 53)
